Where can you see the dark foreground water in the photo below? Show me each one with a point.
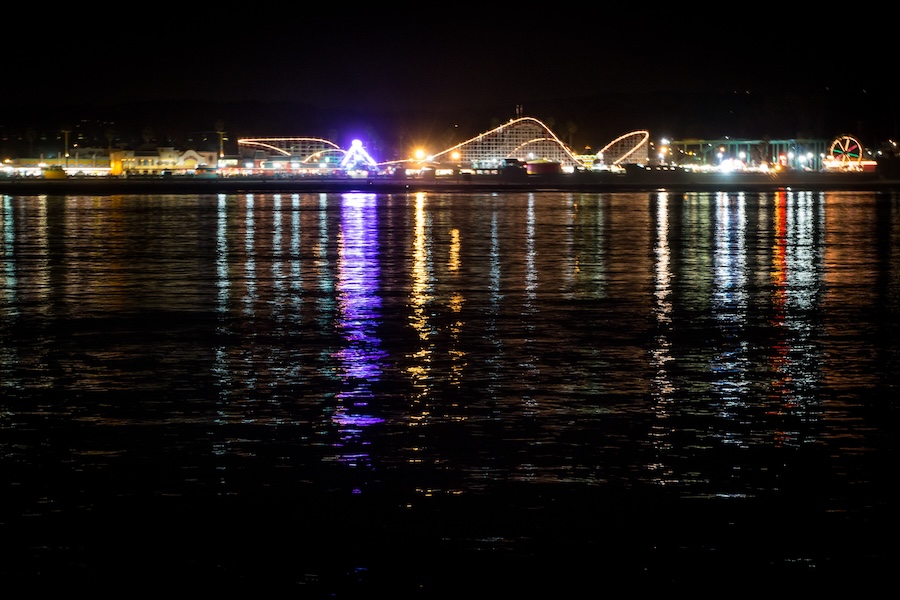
(513, 395)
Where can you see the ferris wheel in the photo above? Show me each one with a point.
(846, 151)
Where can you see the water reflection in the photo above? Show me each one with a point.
(9, 296)
(796, 278)
(457, 300)
(518, 350)
(664, 389)
(730, 386)
(753, 290)
(420, 297)
(589, 238)
(359, 310)
(223, 282)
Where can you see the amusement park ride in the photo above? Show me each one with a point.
(525, 142)
(847, 154)
(303, 155)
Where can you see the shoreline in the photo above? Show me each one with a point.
(650, 180)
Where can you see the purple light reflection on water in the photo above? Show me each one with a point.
(359, 309)
(351, 420)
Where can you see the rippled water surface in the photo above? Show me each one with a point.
(443, 394)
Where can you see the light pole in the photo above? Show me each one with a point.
(66, 138)
(221, 146)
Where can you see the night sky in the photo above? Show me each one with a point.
(439, 74)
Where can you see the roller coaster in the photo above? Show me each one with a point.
(524, 139)
(527, 139)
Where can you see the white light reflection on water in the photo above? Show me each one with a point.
(8, 227)
(250, 251)
(220, 368)
(495, 299)
(730, 365)
(531, 361)
(660, 353)
(223, 282)
(277, 256)
(325, 302)
(9, 306)
(296, 280)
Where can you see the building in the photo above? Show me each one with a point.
(162, 160)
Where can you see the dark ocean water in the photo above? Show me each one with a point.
(430, 395)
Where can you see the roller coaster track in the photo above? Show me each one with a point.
(630, 147)
(525, 139)
(305, 149)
